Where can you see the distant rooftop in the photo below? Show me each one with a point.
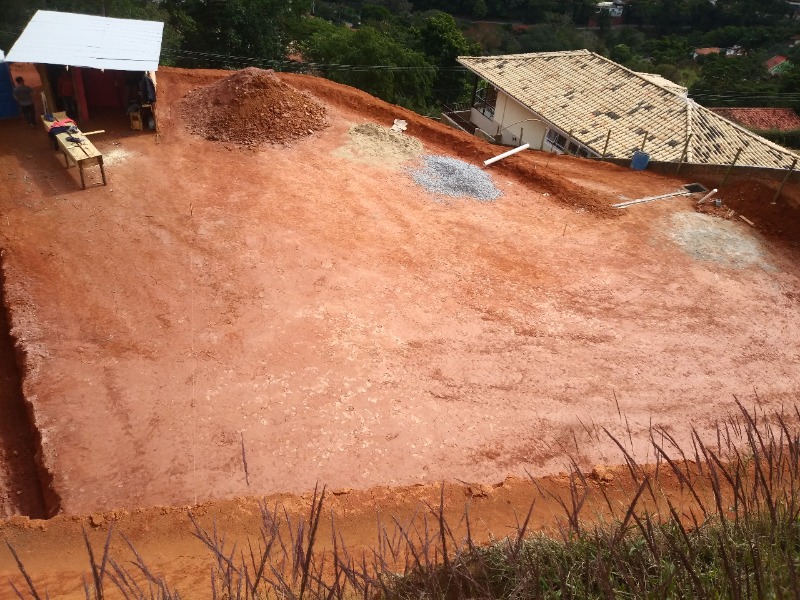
(586, 94)
(777, 64)
(762, 119)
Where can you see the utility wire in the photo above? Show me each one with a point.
(299, 64)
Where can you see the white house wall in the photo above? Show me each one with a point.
(512, 117)
(518, 124)
(483, 122)
(521, 125)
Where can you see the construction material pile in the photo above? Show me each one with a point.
(452, 177)
(250, 108)
(374, 144)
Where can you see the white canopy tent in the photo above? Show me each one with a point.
(75, 40)
(98, 51)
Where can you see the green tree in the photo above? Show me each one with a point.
(375, 13)
(621, 53)
(479, 9)
(737, 81)
(250, 28)
(374, 62)
(669, 49)
(442, 42)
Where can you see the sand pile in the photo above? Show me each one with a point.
(374, 144)
(250, 108)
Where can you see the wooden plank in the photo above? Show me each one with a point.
(650, 199)
(746, 220)
(45, 81)
(78, 152)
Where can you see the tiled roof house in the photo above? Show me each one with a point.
(777, 64)
(569, 101)
(705, 51)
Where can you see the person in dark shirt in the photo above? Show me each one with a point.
(23, 95)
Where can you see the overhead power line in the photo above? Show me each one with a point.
(301, 64)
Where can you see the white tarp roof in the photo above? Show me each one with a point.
(58, 38)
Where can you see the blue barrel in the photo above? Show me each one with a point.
(640, 160)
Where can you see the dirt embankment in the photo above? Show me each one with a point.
(21, 472)
(55, 555)
(458, 143)
(776, 217)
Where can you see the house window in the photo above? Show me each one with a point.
(486, 100)
(556, 139)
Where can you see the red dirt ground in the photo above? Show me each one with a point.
(331, 321)
(54, 554)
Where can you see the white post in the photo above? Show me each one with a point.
(707, 196)
(488, 162)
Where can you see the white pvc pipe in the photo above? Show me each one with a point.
(707, 196)
(486, 163)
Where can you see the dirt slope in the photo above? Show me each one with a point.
(220, 322)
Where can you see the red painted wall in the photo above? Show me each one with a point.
(104, 89)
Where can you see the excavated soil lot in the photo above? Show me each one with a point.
(221, 322)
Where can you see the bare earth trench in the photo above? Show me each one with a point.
(315, 316)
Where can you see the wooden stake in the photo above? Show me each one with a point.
(730, 168)
(644, 141)
(474, 91)
(685, 152)
(785, 180)
(605, 147)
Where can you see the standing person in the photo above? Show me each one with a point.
(66, 91)
(23, 94)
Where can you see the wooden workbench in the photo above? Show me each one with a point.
(48, 125)
(82, 154)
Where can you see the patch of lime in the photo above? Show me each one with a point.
(715, 240)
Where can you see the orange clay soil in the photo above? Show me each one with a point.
(54, 554)
(316, 319)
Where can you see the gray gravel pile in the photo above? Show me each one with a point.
(452, 177)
